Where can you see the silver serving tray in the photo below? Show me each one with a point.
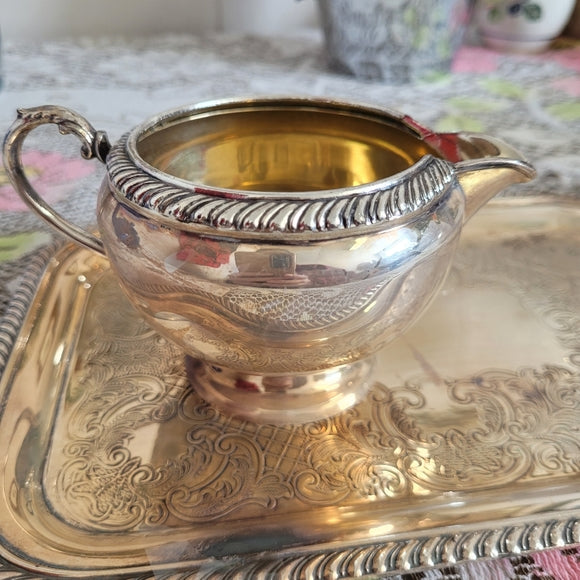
(467, 446)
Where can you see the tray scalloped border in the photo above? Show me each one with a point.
(18, 306)
(381, 558)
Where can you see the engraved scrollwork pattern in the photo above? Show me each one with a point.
(142, 449)
(524, 426)
(227, 466)
(551, 292)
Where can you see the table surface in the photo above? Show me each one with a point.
(533, 102)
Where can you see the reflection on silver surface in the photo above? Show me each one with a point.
(465, 447)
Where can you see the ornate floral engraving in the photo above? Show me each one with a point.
(144, 450)
(515, 428)
(552, 293)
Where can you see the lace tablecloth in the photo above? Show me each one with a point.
(533, 102)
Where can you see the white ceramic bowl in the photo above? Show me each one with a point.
(522, 26)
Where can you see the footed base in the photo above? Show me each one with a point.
(281, 399)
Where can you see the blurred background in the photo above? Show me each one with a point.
(49, 19)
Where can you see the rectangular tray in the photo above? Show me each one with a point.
(467, 446)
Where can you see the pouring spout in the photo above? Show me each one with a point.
(488, 166)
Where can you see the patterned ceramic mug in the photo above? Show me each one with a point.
(396, 41)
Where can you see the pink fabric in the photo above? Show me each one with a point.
(475, 59)
(569, 58)
(569, 85)
(51, 174)
(563, 565)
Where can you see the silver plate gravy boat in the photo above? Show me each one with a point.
(280, 242)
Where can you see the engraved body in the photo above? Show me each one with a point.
(266, 308)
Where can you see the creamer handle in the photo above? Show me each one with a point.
(94, 144)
